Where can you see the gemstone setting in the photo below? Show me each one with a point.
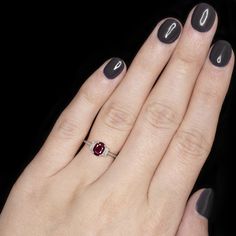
(99, 149)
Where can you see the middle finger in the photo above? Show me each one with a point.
(168, 101)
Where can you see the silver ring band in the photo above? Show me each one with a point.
(99, 149)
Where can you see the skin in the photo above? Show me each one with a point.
(163, 135)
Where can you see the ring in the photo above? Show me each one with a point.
(99, 149)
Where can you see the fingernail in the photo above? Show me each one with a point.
(203, 17)
(220, 53)
(205, 203)
(113, 68)
(169, 31)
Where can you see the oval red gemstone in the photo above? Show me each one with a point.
(99, 148)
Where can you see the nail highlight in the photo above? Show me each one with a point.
(169, 31)
(113, 68)
(205, 203)
(220, 53)
(203, 17)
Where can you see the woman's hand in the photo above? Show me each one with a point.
(162, 133)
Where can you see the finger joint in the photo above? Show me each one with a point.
(192, 142)
(161, 116)
(118, 117)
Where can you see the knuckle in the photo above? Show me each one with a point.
(116, 117)
(67, 128)
(210, 95)
(110, 206)
(158, 221)
(114, 200)
(192, 143)
(159, 115)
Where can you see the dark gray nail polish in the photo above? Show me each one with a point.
(205, 203)
(169, 31)
(203, 17)
(113, 68)
(220, 53)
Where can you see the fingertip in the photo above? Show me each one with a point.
(114, 67)
(169, 30)
(204, 203)
(203, 17)
(198, 30)
(220, 53)
(197, 213)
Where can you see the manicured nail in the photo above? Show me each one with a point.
(205, 203)
(221, 53)
(169, 31)
(203, 17)
(113, 68)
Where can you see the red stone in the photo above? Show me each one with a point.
(99, 148)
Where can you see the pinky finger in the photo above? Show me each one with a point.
(197, 212)
(75, 121)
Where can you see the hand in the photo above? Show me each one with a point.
(162, 133)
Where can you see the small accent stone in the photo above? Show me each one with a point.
(99, 148)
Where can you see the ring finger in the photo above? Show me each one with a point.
(118, 115)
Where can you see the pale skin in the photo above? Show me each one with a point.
(162, 134)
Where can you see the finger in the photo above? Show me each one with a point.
(192, 142)
(166, 105)
(197, 213)
(75, 121)
(118, 115)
